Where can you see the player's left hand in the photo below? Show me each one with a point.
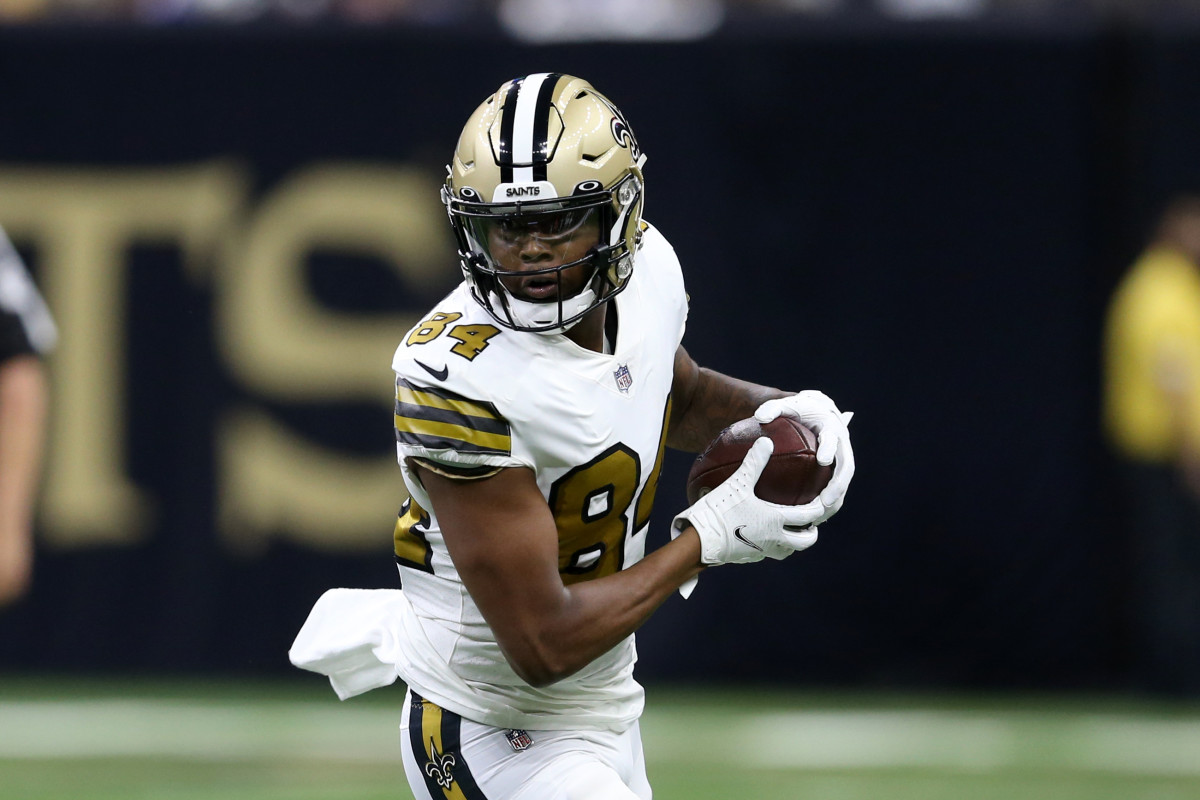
(815, 410)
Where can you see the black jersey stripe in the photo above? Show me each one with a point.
(440, 420)
(465, 443)
(541, 126)
(425, 400)
(422, 413)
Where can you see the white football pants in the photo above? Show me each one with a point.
(447, 757)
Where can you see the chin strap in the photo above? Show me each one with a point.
(539, 315)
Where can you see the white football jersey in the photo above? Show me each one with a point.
(592, 427)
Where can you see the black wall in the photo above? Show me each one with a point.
(923, 224)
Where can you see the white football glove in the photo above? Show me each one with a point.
(815, 410)
(736, 527)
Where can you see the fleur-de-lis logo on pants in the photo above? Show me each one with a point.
(440, 767)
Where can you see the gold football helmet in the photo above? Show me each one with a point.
(546, 152)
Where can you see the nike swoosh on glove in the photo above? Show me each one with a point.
(737, 527)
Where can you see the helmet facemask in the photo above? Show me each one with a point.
(491, 235)
(578, 168)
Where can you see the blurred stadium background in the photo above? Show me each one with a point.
(920, 206)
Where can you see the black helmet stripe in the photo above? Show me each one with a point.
(524, 131)
(541, 126)
(504, 146)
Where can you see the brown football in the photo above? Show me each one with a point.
(792, 476)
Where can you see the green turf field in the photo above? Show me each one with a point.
(132, 740)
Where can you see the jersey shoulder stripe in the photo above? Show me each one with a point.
(437, 419)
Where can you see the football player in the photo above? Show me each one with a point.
(533, 406)
(27, 333)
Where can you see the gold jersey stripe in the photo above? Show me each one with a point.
(428, 398)
(437, 419)
(444, 435)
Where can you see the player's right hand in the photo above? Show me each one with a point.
(816, 410)
(736, 527)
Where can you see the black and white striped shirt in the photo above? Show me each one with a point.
(26, 325)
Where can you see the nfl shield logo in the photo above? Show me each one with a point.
(519, 739)
(624, 379)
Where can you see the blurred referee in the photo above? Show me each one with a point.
(27, 333)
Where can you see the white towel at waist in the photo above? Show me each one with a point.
(353, 636)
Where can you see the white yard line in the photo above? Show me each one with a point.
(212, 731)
(921, 739)
(948, 740)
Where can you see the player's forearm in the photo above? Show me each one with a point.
(597, 615)
(22, 419)
(713, 401)
(22, 414)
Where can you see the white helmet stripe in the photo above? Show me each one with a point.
(524, 123)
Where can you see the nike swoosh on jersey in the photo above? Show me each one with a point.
(439, 374)
(737, 534)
